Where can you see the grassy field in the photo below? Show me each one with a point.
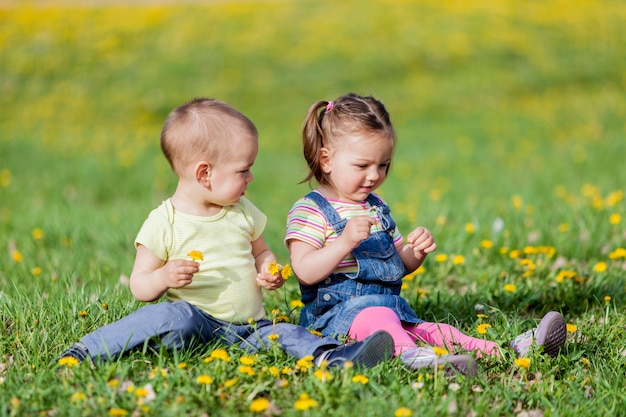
(511, 123)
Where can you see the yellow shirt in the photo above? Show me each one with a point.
(225, 287)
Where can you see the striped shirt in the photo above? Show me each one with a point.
(306, 223)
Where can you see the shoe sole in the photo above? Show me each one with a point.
(462, 364)
(551, 333)
(379, 347)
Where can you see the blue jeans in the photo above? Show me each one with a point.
(179, 324)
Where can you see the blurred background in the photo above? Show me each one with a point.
(506, 111)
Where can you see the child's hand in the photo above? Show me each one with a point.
(270, 281)
(178, 273)
(422, 242)
(357, 230)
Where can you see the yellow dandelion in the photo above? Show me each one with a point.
(82, 313)
(600, 267)
(420, 270)
(117, 412)
(482, 328)
(517, 202)
(246, 369)
(618, 253)
(196, 255)
(113, 383)
(458, 260)
(37, 234)
(259, 405)
(441, 220)
(403, 412)
(316, 333)
(305, 402)
(510, 288)
(247, 360)
(231, 382)
(360, 379)
(571, 328)
(522, 362)
(607, 299)
(204, 379)
(36, 271)
(182, 365)
(273, 337)
(585, 361)
(323, 375)
(304, 363)
(615, 218)
(439, 351)
(515, 253)
(5, 178)
(296, 304)
(17, 256)
(273, 268)
(141, 392)
(470, 228)
(442, 257)
(68, 361)
(78, 397)
(486, 244)
(274, 371)
(286, 272)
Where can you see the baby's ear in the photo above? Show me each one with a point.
(203, 171)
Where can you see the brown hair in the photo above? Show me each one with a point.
(203, 126)
(327, 121)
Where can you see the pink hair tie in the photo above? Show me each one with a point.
(329, 106)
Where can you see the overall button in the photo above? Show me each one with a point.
(327, 281)
(327, 297)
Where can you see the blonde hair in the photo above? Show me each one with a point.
(203, 127)
(327, 122)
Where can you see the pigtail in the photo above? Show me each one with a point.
(313, 140)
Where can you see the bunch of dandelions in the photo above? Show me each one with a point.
(285, 271)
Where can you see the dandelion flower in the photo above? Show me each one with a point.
(442, 257)
(246, 369)
(439, 351)
(486, 244)
(305, 402)
(117, 412)
(522, 362)
(323, 375)
(454, 387)
(296, 304)
(470, 228)
(273, 337)
(571, 328)
(615, 218)
(259, 405)
(204, 379)
(360, 379)
(196, 255)
(273, 268)
(458, 260)
(510, 288)
(600, 267)
(286, 271)
(482, 328)
(36, 271)
(78, 397)
(37, 234)
(17, 256)
(403, 412)
(247, 360)
(607, 299)
(69, 361)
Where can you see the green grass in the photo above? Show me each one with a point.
(505, 114)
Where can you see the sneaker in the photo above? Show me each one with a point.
(551, 334)
(427, 358)
(77, 351)
(366, 353)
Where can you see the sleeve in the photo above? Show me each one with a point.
(156, 234)
(306, 223)
(256, 218)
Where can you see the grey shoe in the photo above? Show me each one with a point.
(551, 334)
(367, 353)
(427, 358)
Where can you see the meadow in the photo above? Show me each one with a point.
(511, 124)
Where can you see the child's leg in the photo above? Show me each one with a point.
(445, 335)
(174, 325)
(372, 319)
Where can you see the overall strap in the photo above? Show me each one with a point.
(328, 211)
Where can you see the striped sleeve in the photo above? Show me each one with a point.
(306, 223)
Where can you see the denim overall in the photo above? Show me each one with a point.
(331, 305)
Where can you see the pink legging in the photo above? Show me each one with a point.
(372, 319)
